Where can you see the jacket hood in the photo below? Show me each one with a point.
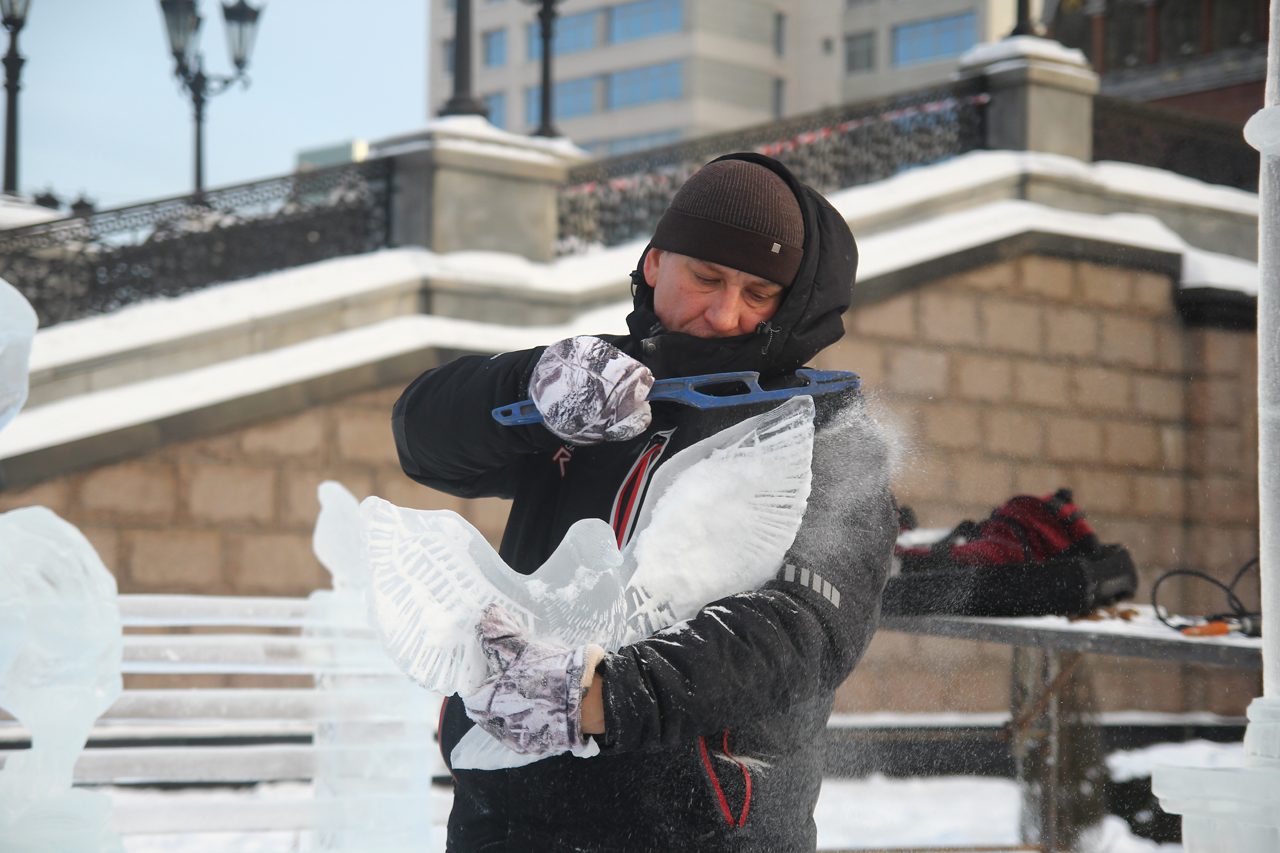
(807, 321)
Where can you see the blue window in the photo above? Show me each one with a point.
(497, 106)
(570, 99)
(447, 53)
(644, 18)
(573, 33)
(495, 48)
(937, 38)
(644, 85)
(627, 144)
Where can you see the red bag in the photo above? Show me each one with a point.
(1032, 556)
(1024, 529)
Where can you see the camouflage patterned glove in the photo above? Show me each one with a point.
(532, 701)
(589, 391)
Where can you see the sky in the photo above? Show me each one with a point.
(101, 113)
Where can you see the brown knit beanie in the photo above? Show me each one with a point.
(739, 214)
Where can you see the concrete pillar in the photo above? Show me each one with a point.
(1041, 95)
(1239, 809)
(463, 184)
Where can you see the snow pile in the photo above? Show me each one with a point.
(15, 213)
(1128, 765)
(1215, 270)
(1021, 47)
(478, 134)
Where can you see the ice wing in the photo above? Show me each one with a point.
(722, 513)
(337, 540)
(432, 575)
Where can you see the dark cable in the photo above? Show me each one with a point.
(1238, 609)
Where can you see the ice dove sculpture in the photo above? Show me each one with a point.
(741, 492)
(60, 657)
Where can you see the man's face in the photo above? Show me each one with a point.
(708, 300)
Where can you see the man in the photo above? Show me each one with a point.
(710, 731)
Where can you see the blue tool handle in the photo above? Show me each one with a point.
(685, 391)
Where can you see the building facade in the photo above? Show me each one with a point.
(633, 74)
(1207, 57)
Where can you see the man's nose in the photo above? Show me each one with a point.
(723, 312)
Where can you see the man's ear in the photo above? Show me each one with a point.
(651, 259)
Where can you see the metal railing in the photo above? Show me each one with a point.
(74, 267)
(90, 264)
(1208, 150)
(607, 202)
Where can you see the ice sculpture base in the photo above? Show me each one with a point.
(1237, 808)
(73, 821)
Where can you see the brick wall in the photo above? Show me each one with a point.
(1027, 375)
(235, 513)
(1021, 376)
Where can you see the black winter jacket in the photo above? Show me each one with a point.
(714, 729)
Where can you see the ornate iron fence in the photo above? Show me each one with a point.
(611, 201)
(73, 267)
(1211, 151)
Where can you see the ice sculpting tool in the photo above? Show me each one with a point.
(686, 390)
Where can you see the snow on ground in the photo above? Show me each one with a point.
(875, 812)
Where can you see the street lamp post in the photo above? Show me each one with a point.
(1023, 26)
(182, 23)
(15, 15)
(463, 102)
(547, 29)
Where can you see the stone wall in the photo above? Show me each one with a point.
(1019, 376)
(234, 513)
(1028, 375)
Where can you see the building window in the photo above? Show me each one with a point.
(644, 18)
(628, 144)
(937, 38)
(497, 106)
(446, 50)
(779, 34)
(572, 34)
(779, 91)
(646, 85)
(451, 5)
(570, 99)
(495, 48)
(859, 52)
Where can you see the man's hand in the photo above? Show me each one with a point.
(589, 391)
(532, 701)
